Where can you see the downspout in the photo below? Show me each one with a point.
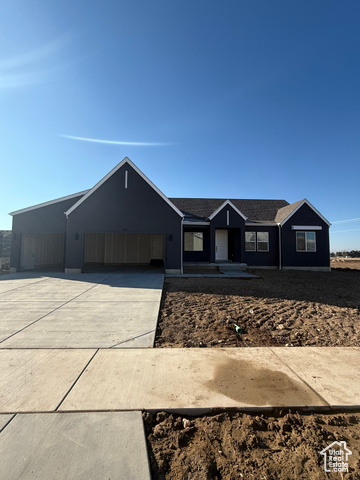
(280, 252)
(66, 241)
(181, 246)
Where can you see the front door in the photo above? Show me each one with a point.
(221, 245)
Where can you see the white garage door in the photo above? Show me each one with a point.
(123, 248)
(42, 250)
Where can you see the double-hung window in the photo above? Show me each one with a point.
(193, 241)
(257, 241)
(306, 241)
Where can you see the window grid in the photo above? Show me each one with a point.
(256, 241)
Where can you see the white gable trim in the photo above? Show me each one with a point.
(227, 202)
(50, 202)
(114, 170)
(299, 206)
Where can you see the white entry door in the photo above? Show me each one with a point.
(221, 245)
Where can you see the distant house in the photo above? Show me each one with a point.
(126, 219)
(5, 248)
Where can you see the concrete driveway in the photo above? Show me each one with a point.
(91, 310)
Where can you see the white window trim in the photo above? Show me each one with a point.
(306, 250)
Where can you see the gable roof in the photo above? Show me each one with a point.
(51, 202)
(227, 202)
(204, 208)
(284, 214)
(114, 170)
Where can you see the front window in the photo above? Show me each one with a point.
(193, 241)
(257, 241)
(305, 242)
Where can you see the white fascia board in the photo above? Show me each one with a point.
(306, 227)
(263, 224)
(114, 170)
(227, 202)
(311, 206)
(50, 202)
(196, 223)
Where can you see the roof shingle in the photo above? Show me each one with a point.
(256, 210)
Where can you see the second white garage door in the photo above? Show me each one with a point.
(123, 248)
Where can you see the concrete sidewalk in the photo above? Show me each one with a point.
(81, 408)
(195, 380)
(81, 446)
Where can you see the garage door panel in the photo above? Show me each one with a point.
(115, 248)
(145, 248)
(94, 249)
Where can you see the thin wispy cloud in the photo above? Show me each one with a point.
(342, 231)
(118, 142)
(347, 221)
(33, 66)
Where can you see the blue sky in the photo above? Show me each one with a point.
(232, 99)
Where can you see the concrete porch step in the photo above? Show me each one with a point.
(229, 267)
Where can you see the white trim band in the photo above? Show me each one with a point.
(306, 227)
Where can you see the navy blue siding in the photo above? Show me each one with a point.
(203, 256)
(291, 258)
(112, 208)
(236, 231)
(264, 259)
(48, 219)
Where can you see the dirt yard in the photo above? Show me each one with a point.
(352, 263)
(292, 308)
(282, 309)
(233, 446)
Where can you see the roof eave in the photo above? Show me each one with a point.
(46, 204)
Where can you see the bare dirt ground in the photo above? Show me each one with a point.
(282, 308)
(233, 446)
(352, 263)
